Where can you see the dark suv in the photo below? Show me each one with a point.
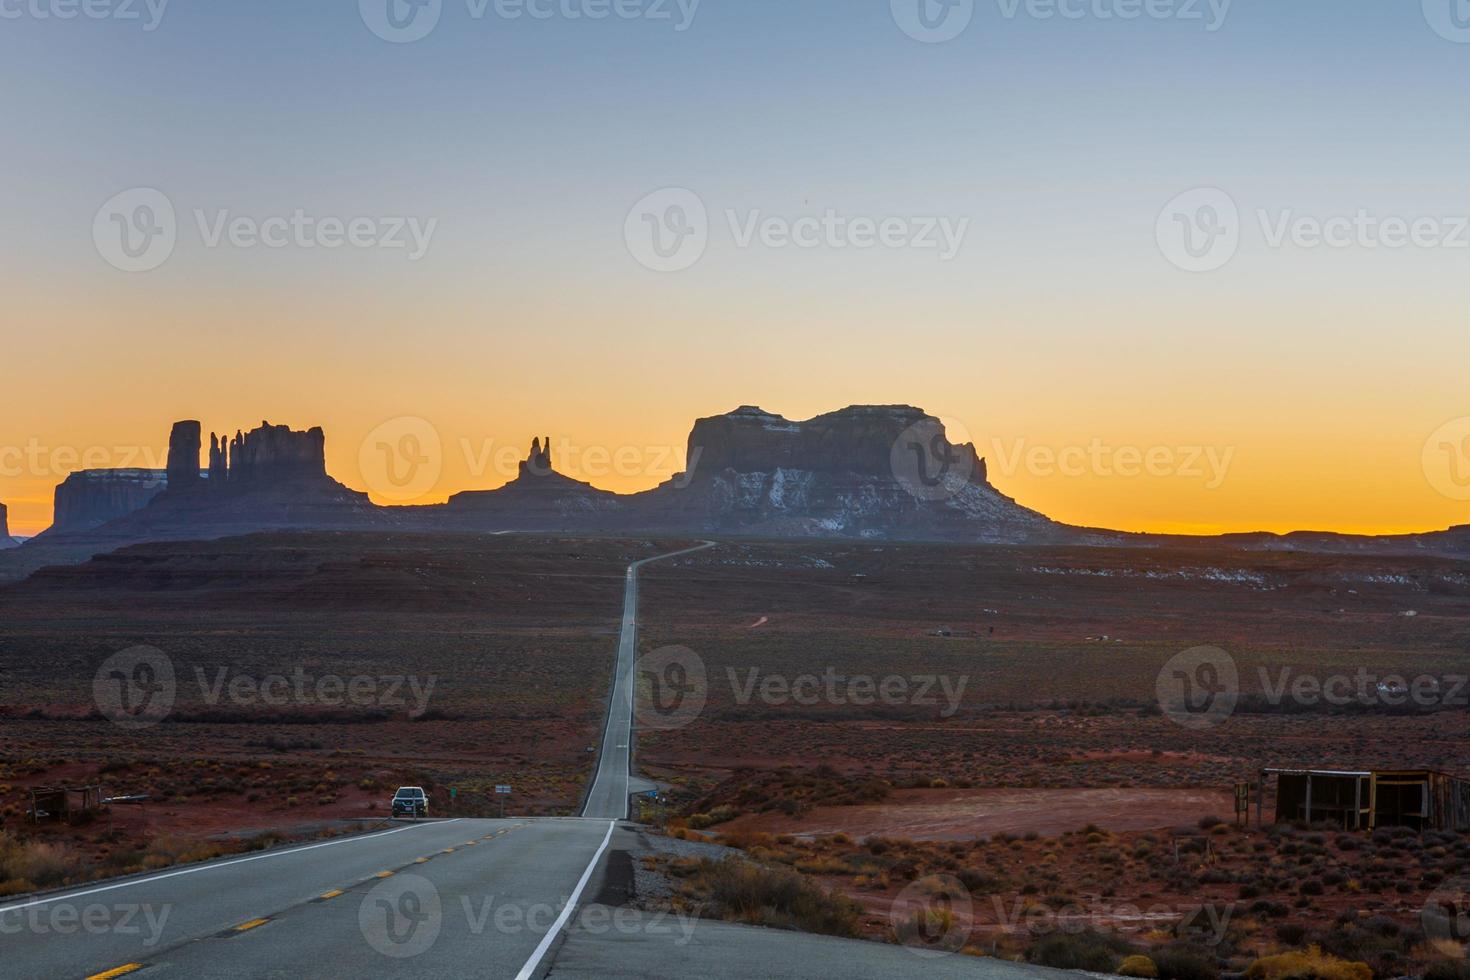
(410, 801)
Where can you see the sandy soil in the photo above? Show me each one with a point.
(962, 814)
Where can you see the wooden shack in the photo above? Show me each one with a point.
(1420, 799)
(65, 804)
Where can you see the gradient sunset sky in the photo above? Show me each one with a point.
(1320, 373)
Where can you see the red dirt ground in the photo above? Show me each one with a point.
(964, 814)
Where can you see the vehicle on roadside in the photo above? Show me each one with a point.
(410, 801)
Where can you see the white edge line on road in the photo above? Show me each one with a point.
(212, 866)
(529, 970)
(632, 578)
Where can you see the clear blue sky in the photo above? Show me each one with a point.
(528, 140)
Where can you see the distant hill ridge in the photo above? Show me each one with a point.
(874, 472)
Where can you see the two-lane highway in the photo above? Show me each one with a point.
(461, 898)
(608, 797)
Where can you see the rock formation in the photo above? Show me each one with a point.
(870, 471)
(538, 463)
(219, 461)
(6, 541)
(91, 498)
(275, 453)
(183, 455)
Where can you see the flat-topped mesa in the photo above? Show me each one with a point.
(90, 498)
(183, 455)
(858, 440)
(273, 453)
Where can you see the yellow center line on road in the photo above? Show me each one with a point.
(420, 860)
(447, 850)
(383, 874)
(119, 971)
(252, 924)
(334, 893)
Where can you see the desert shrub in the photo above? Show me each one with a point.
(1309, 964)
(1448, 970)
(1185, 963)
(719, 815)
(38, 864)
(747, 892)
(976, 880)
(933, 928)
(1138, 966)
(1087, 950)
(1291, 933)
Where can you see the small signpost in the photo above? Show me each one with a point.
(1243, 804)
(502, 791)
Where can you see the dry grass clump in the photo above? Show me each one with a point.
(1308, 964)
(743, 891)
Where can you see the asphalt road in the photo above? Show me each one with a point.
(608, 797)
(460, 898)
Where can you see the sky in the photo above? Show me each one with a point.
(1172, 266)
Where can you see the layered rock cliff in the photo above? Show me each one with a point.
(865, 471)
(91, 498)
